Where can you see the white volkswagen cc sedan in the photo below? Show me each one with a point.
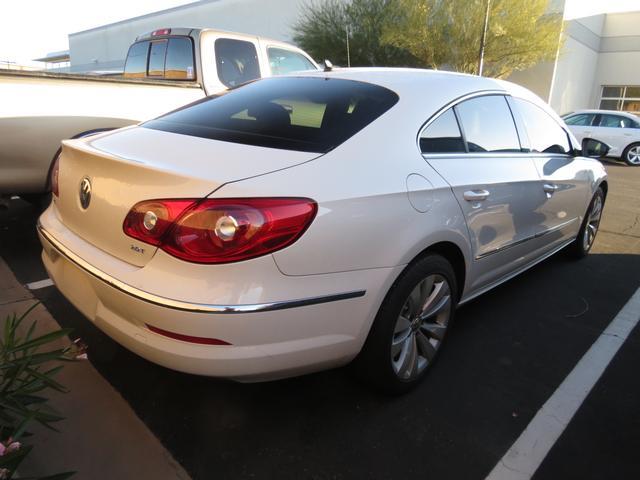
(300, 223)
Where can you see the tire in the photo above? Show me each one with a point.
(400, 347)
(589, 229)
(631, 155)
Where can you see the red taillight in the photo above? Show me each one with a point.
(55, 171)
(163, 31)
(220, 230)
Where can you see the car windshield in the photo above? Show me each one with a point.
(294, 113)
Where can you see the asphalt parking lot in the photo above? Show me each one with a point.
(507, 353)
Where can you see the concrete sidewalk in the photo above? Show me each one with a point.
(100, 437)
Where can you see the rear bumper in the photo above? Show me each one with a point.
(269, 339)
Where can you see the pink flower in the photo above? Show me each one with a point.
(13, 447)
(4, 473)
(2, 449)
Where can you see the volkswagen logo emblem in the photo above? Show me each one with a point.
(85, 192)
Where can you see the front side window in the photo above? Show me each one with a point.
(614, 121)
(292, 113)
(236, 61)
(156, 58)
(580, 120)
(488, 125)
(284, 61)
(443, 135)
(545, 134)
(136, 65)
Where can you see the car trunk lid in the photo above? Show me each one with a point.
(128, 166)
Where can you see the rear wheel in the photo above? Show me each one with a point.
(410, 326)
(631, 155)
(590, 225)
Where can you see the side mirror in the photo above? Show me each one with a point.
(328, 66)
(594, 148)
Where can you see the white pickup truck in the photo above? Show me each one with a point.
(164, 70)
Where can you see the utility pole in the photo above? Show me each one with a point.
(346, 29)
(483, 39)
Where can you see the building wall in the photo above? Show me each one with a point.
(576, 66)
(106, 47)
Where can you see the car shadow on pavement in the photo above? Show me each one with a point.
(506, 353)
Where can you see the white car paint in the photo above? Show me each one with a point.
(381, 203)
(618, 130)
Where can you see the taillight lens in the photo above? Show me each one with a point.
(220, 230)
(55, 171)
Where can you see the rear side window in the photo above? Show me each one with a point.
(236, 61)
(488, 125)
(580, 120)
(284, 61)
(136, 65)
(545, 134)
(179, 62)
(443, 135)
(302, 113)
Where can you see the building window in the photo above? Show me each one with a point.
(625, 99)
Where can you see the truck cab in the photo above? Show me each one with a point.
(215, 59)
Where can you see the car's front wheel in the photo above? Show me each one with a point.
(410, 327)
(631, 155)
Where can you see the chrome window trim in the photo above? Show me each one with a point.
(494, 155)
(187, 306)
(453, 103)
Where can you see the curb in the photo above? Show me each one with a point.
(101, 436)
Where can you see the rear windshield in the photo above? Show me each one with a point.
(292, 113)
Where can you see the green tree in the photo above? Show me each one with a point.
(322, 31)
(446, 34)
(440, 34)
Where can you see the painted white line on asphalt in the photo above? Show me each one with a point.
(47, 282)
(527, 453)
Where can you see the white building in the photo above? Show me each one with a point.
(105, 47)
(597, 66)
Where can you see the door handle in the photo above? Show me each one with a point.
(476, 195)
(549, 189)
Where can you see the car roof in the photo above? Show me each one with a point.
(607, 112)
(424, 90)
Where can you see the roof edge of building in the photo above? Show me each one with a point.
(146, 15)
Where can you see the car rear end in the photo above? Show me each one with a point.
(142, 240)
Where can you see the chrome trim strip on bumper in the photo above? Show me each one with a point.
(187, 306)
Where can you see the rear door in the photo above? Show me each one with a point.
(475, 147)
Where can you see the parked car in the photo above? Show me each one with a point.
(301, 222)
(619, 130)
(164, 70)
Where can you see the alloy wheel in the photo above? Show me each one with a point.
(633, 155)
(421, 326)
(593, 222)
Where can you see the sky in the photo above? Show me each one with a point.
(32, 28)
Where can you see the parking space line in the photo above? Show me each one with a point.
(527, 453)
(47, 282)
